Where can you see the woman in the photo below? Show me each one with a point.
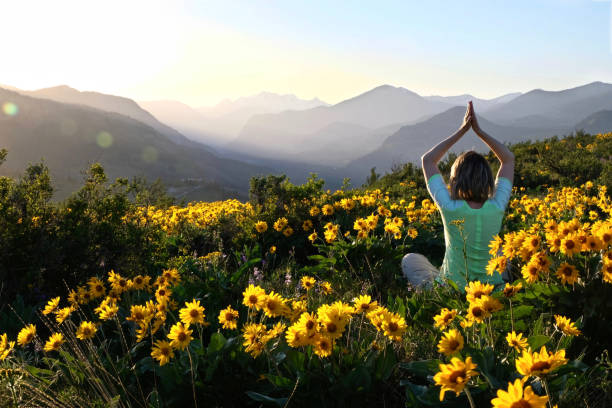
(472, 210)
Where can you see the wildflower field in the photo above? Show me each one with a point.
(118, 297)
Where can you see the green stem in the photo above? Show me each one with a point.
(511, 315)
(547, 392)
(195, 402)
(469, 396)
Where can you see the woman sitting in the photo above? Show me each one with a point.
(472, 211)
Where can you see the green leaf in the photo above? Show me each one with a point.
(537, 341)
(422, 368)
(264, 398)
(217, 341)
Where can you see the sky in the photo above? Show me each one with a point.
(200, 52)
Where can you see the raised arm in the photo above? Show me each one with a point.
(504, 155)
(432, 157)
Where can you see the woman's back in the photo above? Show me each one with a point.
(468, 231)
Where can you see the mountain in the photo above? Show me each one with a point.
(410, 142)
(480, 105)
(70, 137)
(599, 122)
(554, 108)
(105, 102)
(268, 134)
(221, 123)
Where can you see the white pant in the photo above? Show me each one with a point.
(418, 270)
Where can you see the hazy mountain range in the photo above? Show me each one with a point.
(221, 123)
(206, 153)
(69, 137)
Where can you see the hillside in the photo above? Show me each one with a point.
(549, 108)
(410, 142)
(108, 103)
(71, 137)
(599, 122)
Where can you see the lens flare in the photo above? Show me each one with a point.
(104, 139)
(10, 109)
(149, 154)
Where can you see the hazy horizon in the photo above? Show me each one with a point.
(201, 53)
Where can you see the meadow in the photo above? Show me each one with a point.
(119, 296)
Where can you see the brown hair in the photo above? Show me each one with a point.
(471, 178)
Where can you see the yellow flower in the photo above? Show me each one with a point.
(273, 305)
(313, 237)
(280, 224)
(474, 290)
(314, 211)
(180, 336)
(272, 249)
(394, 326)
(6, 346)
(566, 326)
(51, 306)
(517, 397)
(307, 225)
(228, 318)
(327, 209)
(288, 232)
(323, 345)
(476, 312)
(62, 314)
(86, 330)
(308, 325)
(192, 313)
(593, 243)
(567, 273)
(26, 335)
(531, 271)
(444, 318)
(162, 351)
(570, 245)
(172, 276)
(261, 226)
(255, 339)
(539, 363)
(451, 342)
(55, 342)
(455, 375)
(510, 290)
(326, 288)
(296, 337)
(96, 287)
(118, 283)
(364, 304)
(140, 282)
(516, 341)
(308, 282)
(253, 297)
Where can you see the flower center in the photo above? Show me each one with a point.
(181, 337)
(540, 366)
(457, 377)
(253, 299)
(310, 325)
(194, 313)
(393, 327)
(453, 344)
(331, 327)
(521, 404)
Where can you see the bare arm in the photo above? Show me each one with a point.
(504, 155)
(434, 155)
